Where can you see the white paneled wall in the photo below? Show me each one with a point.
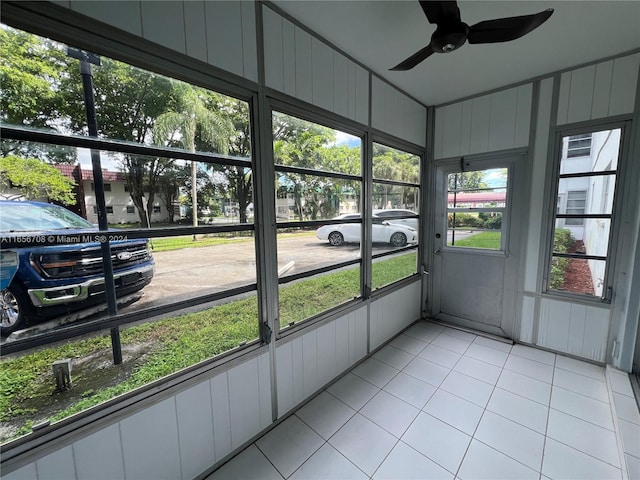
(573, 328)
(498, 121)
(597, 91)
(310, 361)
(300, 65)
(394, 113)
(179, 437)
(392, 313)
(221, 33)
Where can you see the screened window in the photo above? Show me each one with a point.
(583, 224)
(197, 250)
(318, 205)
(476, 208)
(395, 200)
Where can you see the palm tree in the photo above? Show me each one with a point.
(196, 115)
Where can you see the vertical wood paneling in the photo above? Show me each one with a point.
(596, 333)
(563, 99)
(56, 465)
(195, 430)
(465, 127)
(289, 57)
(224, 36)
(452, 117)
(502, 122)
(221, 415)
(480, 114)
(150, 442)
(297, 357)
(573, 328)
(304, 76)
(378, 104)
(284, 367)
(602, 90)
(342, 344)
(523, 115)
(575, 339)
(249, 41)
(623, 84)
(196, 34)
(362, 95)
(322, 71)
(164, 23)
(28, 472)
(99, 456)
(273, 49)
(310, 363)
(526, 319)
(396, 114)
(581, 94)
(123, 15)
(244, 402)
(327, 365)
(340, 85)
(264, 389)
(438, 134)
(598, 91)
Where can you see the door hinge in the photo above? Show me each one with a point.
(265, 333)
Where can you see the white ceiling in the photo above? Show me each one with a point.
(380, 34)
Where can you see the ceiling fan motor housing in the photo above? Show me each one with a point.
(449, 37)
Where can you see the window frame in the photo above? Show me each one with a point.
(393, 144)
(553, 217)
(285, 108)
(492, 162)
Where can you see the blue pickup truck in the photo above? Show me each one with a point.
(61, 278)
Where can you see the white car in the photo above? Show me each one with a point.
(383, 232)
(392, 216)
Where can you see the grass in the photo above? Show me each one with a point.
(154, 350)
(187, 241)
(490, 240)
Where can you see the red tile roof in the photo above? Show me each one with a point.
(72, 171)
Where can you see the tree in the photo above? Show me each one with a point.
(128, 102)
(192, 118)
(169, 183)
(238, 183)
(31, 70)
(35, 179)
(466, 180)
(299, 143)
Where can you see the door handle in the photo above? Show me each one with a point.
(437, 251)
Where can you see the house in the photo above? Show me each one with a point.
(120, 207)
(471, 362)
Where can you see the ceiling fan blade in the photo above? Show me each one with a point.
(441, 12)
(414, 59)
(506, 29)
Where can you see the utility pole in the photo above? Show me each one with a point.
(86, 59)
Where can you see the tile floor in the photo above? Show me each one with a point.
(446, 404)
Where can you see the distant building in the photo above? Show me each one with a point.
(120, 207)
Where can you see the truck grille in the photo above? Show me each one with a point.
(88, 261)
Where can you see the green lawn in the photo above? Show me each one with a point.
(156, 349)
(489, 240)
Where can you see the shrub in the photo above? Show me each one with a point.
(562, 241)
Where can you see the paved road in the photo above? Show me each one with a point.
(191, 272)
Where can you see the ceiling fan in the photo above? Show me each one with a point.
(451, 32)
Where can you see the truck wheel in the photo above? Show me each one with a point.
(14, 306)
